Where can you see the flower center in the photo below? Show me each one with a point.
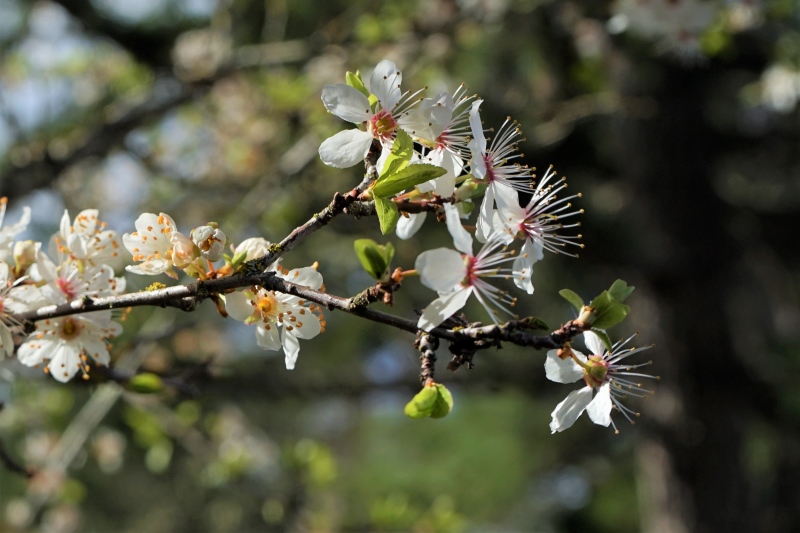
(67, 288)
(70, 329)
(488, 160)
(268, 307)
(472, 276)
(382, 125)
(595, 371)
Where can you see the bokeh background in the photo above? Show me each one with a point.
(678, 122)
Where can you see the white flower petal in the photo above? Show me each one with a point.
(443, 307)
(441, 269)
(346, 103)
(345, 149)
(307, 325)
(562, 370)
(599, 409)
(291, 348)
(485, 226)
(65, 362)
(477, 128)
(385, 84)
(461, 237)
(238, 306)
(567, 412)
(269, 339)
(593, 343)
(307, 276)
(408, 226)
(6, 340)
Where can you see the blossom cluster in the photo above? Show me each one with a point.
(280, 319)
(520, 216)
(448, 133)
(74, 267)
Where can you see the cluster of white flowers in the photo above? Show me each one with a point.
(161, 248)
(517, 207)
(73, 268)
(448, 133)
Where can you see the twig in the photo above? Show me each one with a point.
(13, 466)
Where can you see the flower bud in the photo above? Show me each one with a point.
(210, 241)
(25, 254)
(182, 249)
(251, 248)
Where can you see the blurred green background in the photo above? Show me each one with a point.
(680, 128)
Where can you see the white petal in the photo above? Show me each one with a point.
(477, 127)
(567, 412)
(306, 327)
(443, 307)
(238, 305)
(593, 342)
(345, 149)
(385, 84)
(307, 276)
(408, 226)
(485, 226)
(461, 237)
(441, 269)
(269, 339)
(291, 348)
(562, 370)
(599, 409)
(346, 103)
(65, 363)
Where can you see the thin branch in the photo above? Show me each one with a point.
(11, 465)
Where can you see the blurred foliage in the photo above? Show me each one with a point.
(326, 447)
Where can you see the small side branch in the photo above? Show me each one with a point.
(427, 346)
(13, 466)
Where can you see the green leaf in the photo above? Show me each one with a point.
(424, 403)
(388, 215)
(573, 298)
(604, 337)
(406, 178)
(145, 383)
(607, 311)
(444, 402)
(399, 156)
(375, 258)
(354, 81)
(620, 290)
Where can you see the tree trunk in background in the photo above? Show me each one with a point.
(691, 465)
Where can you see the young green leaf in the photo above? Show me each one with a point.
(607, 311)
(354, 81)
(620, 290)
(399, 156)
(388, 215)
(406, 178)
(444, 402)
(571, 297)
(145, 383)
(423, 403)
(374, 257)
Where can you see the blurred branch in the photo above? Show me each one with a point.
(40, 172)
(11, 465)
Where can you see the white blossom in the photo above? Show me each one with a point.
(491, 164)
(602, 372)
(349, 147)
(65, 344)
(210, 241)
(272, 311)
(456, 275)
(86, 239)
(158, 245)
